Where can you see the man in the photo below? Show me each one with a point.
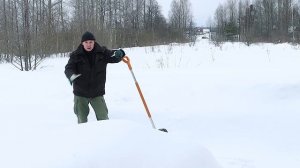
(86, 70)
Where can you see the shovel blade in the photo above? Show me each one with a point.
(163, 130)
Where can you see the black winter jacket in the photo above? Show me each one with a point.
(91, 83)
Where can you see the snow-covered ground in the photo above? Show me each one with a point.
(231, 106)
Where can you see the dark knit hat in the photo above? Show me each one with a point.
(87, 36)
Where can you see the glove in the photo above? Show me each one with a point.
(73, 77)
(119, 54)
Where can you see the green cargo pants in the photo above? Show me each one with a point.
(81, 108)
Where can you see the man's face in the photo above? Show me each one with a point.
(88, 45)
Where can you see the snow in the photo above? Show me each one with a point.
(229, 106)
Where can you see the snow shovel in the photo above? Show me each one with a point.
(127, 61)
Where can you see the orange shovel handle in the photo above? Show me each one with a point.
(127, 61)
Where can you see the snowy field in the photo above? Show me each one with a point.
(230, 106)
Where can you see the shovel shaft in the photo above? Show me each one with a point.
(127, 61)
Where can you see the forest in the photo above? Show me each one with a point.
(32, 30)
(253, 21)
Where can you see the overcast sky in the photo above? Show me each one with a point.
(202, 9)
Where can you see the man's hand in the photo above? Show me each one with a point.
(119, 54)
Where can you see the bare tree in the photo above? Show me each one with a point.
(220, 17)
(180, 17)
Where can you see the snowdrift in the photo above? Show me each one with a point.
(109, 144)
